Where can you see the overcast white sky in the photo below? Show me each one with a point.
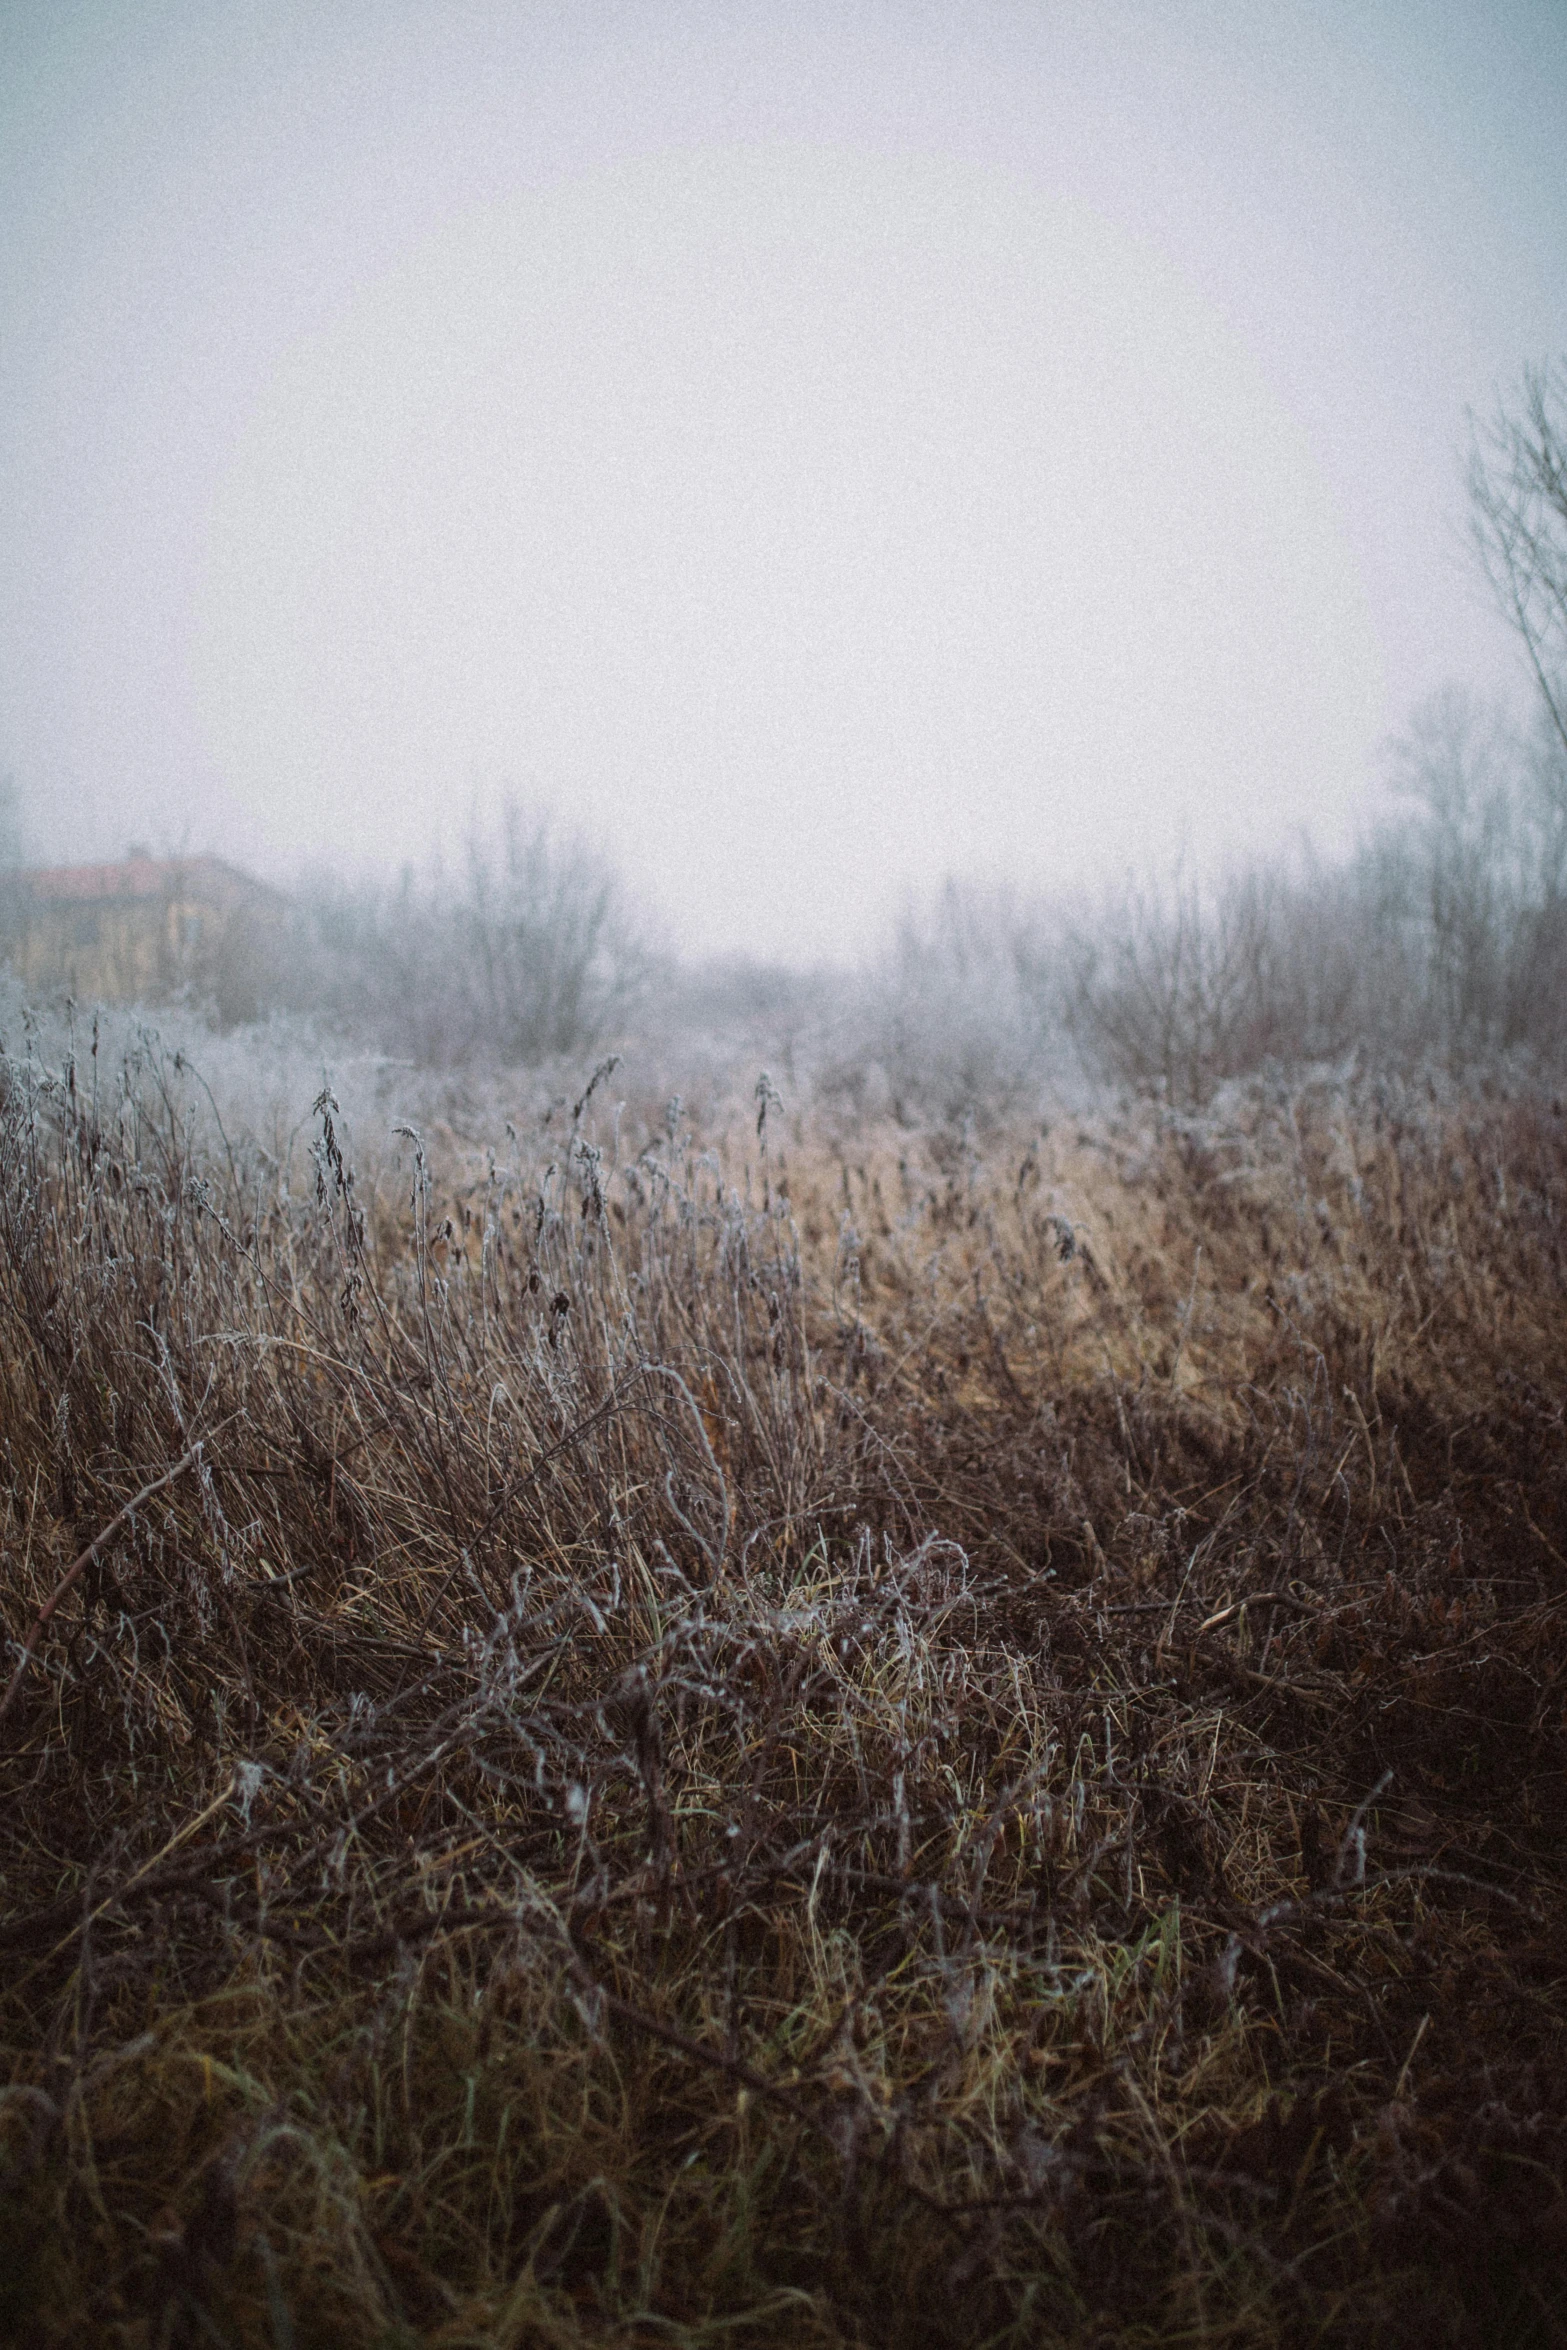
(811, 447)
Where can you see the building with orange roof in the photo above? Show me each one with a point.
(137, 930)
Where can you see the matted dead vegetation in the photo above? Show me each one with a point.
(800, 1735)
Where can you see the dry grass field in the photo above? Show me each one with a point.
(812, 1733)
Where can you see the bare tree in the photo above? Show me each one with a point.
(530, 948)
(553, 956)
(13, 852)
(963, 1012)
(12, 827)
(1177, 989)
(1518, 520)
(1466, 853)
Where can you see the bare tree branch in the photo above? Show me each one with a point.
(1518, 523)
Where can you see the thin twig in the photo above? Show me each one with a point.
(79, 1566)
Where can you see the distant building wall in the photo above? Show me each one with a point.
(137, 930)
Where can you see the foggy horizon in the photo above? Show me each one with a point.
(809, 453)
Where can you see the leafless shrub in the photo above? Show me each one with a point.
(1441, 940)
(962, 1014)
(530, 949)
(1176, 993)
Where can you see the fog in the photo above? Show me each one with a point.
(812, 450)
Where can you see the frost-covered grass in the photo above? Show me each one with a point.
(785, 1727)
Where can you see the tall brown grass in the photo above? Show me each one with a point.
(813, 1732)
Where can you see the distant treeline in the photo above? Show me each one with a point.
(1442, 938)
